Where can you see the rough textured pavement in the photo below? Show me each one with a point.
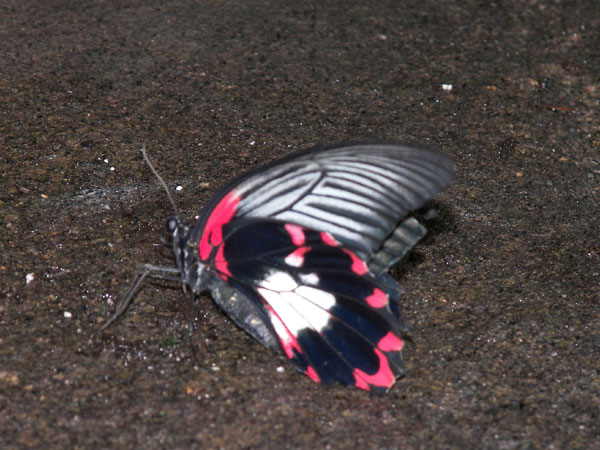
(502, 296)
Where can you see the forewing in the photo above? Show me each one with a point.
(330, 315)
(358, 193)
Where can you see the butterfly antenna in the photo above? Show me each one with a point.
(164, 185)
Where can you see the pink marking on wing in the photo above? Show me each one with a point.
(384, 377)
(310, 372)
(329, 239)
(289, 343)
(358, 265)
(378, 299)
(296, 232)
(360, 383)
(390, 343)
(221, 264)
(296, 258)
(213, 231)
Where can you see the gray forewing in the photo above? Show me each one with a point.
(358, 193)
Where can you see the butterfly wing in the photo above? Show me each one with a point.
(299, 249)
(359, 193)
(317, 299)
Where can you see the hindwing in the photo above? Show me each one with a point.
(318, 300)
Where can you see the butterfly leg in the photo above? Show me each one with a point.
(147, 269)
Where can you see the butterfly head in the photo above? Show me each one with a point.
(193, 274)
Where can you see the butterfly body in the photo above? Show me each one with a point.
(296, 252)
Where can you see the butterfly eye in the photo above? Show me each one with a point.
(171, 225)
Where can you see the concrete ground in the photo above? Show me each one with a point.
(502, 296)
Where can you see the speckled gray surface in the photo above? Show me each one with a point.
(502, 296)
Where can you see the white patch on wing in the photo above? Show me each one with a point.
(279, 281)
(308, 309)
(309, 278)
(294, 260)
(298, 307)
(288, 315)
(324, 300)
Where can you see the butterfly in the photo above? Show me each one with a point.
(296, 252)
